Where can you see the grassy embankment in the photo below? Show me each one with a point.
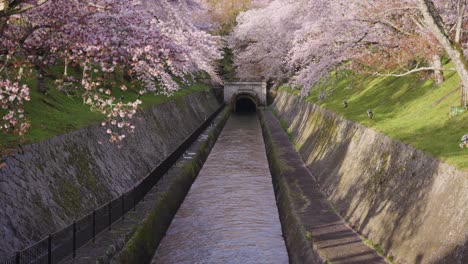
(55, 112)
(406, 108)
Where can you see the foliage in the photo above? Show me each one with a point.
(225, 12)
(226, 67)
(378, 248)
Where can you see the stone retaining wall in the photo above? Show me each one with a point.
(56, 181)
(415, 206)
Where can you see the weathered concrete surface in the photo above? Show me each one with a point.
(229, 214)
(397, 196)
(127, 242)
(314, 231)
(63, 178)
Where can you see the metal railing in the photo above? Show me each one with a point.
(63, 243)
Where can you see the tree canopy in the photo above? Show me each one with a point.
(300, 42)
(162, 42)
(156, 42)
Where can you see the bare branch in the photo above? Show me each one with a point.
(97, 6)
(418, 22)
(4, 65)
(387, 23)
(414, 71)
(461, 6)
(15, 11)
(30, 32)
(389, 10)
(393, 25)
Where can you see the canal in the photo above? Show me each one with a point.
(230, 213)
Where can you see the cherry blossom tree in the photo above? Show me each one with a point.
(407, 38)
(327, 36)
(262, 40)
(299, 41)
(302, 41)
(154, 41)
(417, 35)
(403, 46)
(436, 25)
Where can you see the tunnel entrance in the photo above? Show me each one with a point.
(245, 105)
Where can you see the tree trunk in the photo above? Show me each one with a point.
(464, 96)
(4, 6)
(461, 6)
(437, 64)
(40, 80)
(435, 24)
(65, 71)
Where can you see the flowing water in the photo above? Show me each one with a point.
(230, 213)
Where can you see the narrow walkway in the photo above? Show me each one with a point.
(330, 236)
(230, 213)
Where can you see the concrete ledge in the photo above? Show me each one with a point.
(314, 232)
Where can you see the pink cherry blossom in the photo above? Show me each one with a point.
(155, 40)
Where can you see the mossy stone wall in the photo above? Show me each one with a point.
(412, 204)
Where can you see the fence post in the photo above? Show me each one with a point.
(49, 249)
(109, 213)
(94, 226)
(123, 206)
(74, 239)
(18, 257)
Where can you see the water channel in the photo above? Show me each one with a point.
(230, 214)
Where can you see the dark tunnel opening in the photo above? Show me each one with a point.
(245, 106)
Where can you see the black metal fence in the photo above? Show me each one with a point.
(56, 247)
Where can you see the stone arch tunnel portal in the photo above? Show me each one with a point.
(244, 103)
(245, 97)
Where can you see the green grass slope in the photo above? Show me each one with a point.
(413, 111)
(56, 113)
